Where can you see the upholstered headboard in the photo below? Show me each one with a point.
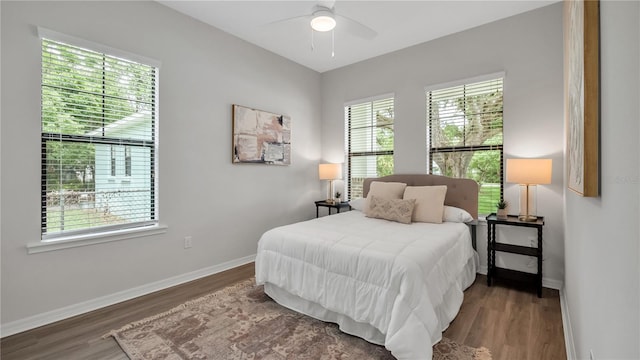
(462, 193)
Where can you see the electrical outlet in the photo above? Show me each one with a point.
(591, 356)
(187, 242)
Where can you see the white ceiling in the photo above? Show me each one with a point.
(399, 24)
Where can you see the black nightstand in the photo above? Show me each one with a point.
(337, 206)
(493, 246)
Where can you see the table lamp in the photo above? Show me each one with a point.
(330, 172)
(528, 173)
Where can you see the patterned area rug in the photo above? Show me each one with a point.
(241, 322)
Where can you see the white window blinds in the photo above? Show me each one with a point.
(98, 141)
(465, 136)
(369, 133)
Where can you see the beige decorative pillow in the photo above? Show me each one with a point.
(429, 202)
(390, 209)
(385, 190)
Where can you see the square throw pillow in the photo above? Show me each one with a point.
(429, 202)
(384, 190)
(398, 210)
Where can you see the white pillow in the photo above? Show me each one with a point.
(384, 190)
(358, 204)
(429, 202)
(455, 214)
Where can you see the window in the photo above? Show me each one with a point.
(369, 139)
(127, 161)
(113, 160)
(464, 125)
(97, 109)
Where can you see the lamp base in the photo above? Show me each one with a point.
(330, 201)
(527, 203)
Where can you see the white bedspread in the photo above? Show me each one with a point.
(406, 281)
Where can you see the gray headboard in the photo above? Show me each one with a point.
(462, 193)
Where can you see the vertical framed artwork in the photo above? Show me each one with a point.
(260, 137)
(582, 94)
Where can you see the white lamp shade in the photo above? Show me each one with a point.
(330, 171)
(529, 171)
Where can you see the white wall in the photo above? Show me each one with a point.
(602, 281)
(528, 48)
(224, 207)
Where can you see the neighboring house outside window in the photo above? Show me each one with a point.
(369, 141)
(98, 115)
(464, 135)
(127, 161)
(113, 160)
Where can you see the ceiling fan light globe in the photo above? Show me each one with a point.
(323, 23)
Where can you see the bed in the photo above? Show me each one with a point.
(390, 283)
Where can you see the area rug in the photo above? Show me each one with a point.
(241, 322)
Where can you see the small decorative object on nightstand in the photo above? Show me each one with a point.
(331, 205)
(493, 246)
(338, 194)
(502, 209)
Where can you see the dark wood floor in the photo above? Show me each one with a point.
(512, 324)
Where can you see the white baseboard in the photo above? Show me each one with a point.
(566, 326)
(552, 283)
(49, 317)
(482, 269)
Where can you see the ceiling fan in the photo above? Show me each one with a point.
(325, 18)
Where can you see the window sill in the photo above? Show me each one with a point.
(92, 239)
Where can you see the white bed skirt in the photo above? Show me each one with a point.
(446, 311)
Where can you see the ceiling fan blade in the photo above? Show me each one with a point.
(307, 16)
(357, 28)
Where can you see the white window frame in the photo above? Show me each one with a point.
(101, 235)
(347, 135)
(461, 82)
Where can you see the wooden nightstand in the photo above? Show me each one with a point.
(493, 246)
(337, 206)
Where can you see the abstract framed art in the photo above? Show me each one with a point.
(582, 95)
(260, 137)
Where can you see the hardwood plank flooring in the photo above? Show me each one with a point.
(513, 324)
(80, 337)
